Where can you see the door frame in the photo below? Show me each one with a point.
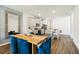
(6, 22)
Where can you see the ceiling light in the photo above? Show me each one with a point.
(39, 14)
(53, 11)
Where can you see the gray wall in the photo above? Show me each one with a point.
(2, 22)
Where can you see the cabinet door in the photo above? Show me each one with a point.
(13, 45)
(45, 48)
(23, 47)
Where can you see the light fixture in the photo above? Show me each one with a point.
(39, 14)
(53, 11)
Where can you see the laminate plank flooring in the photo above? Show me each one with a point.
(5, 49)
(63, 45)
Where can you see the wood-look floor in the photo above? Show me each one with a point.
(5, 49)
(64, 45)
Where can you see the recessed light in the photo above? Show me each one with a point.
(39, 14)
(53, 11)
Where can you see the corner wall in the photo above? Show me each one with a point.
(76, 26)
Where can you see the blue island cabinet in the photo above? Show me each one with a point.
(24, 47)
(19, 46)
(45, 47)
(13, 45)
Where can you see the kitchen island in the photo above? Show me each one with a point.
(30, 44)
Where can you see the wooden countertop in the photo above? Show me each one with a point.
(35, 39)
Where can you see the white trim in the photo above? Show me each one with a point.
(4, 44)
(76, 42)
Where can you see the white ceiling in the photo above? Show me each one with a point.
(44, 10)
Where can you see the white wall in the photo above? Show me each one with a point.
(2, 25)
(62, 23)
(71, 25)
(25, 23)
(76, 26)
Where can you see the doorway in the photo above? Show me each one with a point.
(12, 23)
(62, 23)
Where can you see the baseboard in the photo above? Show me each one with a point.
(4, 44)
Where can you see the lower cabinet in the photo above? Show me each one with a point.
(23, 47)
(45, 48)
(13, 45)
(20, 46)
